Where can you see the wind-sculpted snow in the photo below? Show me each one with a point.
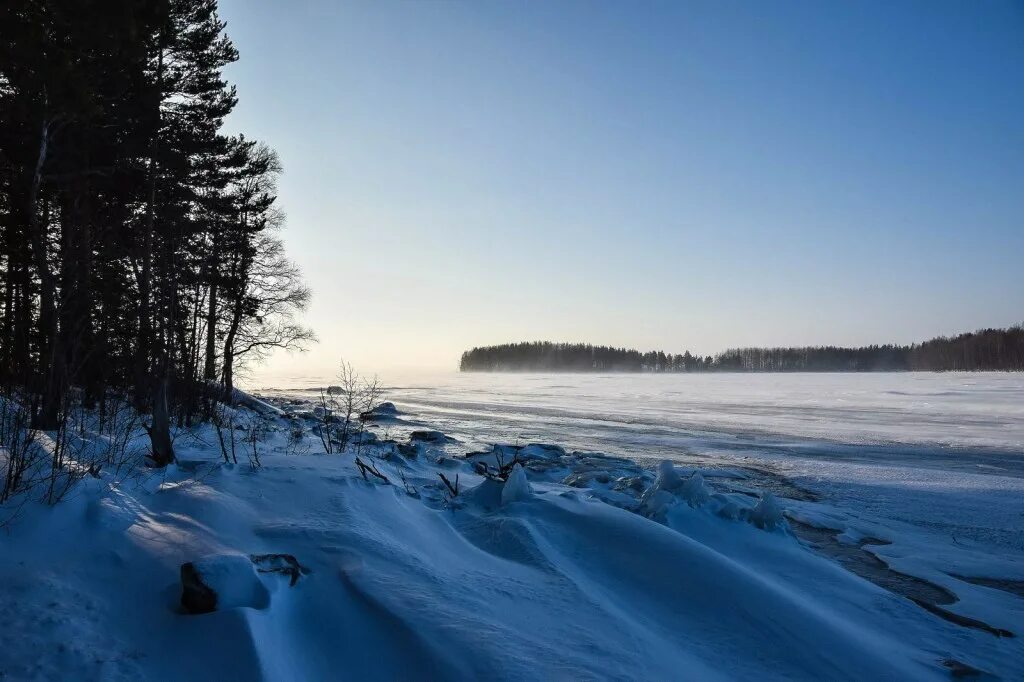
(548, 563)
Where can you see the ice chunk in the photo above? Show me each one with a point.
(729, 510)
(767, 514)
(517, 487)
(694, 490)
(541, 451)
(657, 502)
(668, 477)
(658, 496)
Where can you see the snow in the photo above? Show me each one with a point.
(610, 571)
(233, 577)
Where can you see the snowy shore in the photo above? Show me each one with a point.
(520, 563)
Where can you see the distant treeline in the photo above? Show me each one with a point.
(986, 349)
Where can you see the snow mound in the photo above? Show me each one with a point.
(487, 494)
(517, 487)
(233, 579)
(573, 585)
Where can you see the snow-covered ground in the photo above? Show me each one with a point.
(580, 566)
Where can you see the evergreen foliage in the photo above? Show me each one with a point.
(137, 241)
(987, 349)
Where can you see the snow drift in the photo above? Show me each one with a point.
(526, 578)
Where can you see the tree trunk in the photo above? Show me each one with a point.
(160, 431)
(145, 340)
(49, 354)
(229, 353)
(210, 370)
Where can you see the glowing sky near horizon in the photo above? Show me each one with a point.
(674, 175)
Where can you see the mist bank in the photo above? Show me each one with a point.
(983, 350)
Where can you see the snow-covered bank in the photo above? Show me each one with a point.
(591, 567)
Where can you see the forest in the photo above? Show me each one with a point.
(140, 248)
(986, 349)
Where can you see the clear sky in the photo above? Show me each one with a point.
(674, 175)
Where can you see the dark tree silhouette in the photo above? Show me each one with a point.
(987, 349)
(137, 252)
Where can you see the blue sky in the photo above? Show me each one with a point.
(676, 175)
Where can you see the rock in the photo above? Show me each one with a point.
(410, 451)
(365, 438)
(381, 412)
(428, 436)
(196, 596)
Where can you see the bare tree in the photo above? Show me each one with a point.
(324, 413)
(264, 290)
(256, 429)
(223, 418)
(21, 449)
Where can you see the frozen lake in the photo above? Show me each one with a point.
(943, 452)
(664, 415)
